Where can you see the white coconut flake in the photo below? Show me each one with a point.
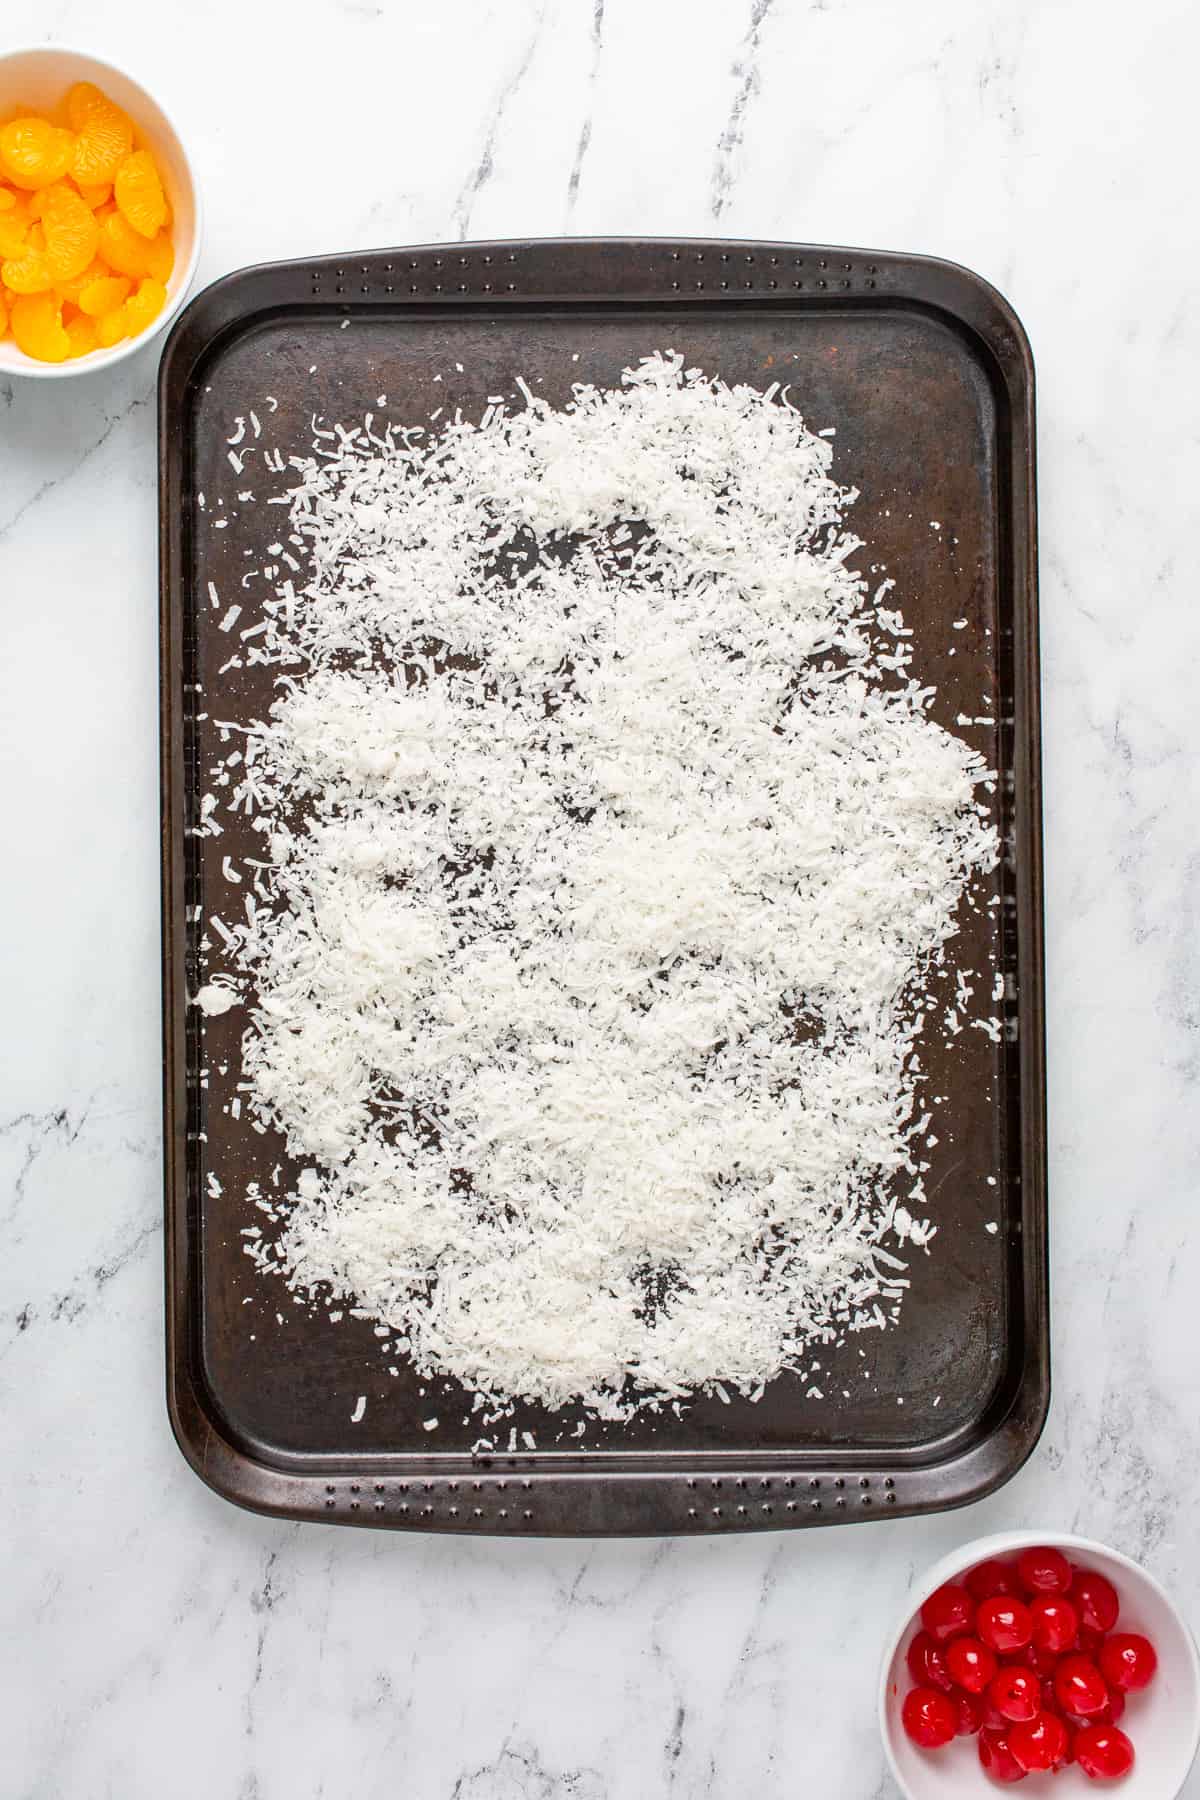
(359, 1409)
(611, 847)
(215, 998)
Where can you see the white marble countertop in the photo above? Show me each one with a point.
(157, 1641)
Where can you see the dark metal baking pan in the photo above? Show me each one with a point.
(926, 375)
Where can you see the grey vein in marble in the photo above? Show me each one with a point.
(729, 142)
(585, 132)
(485, 167)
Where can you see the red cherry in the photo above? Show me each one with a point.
(971, 1664)
(1016, 1694)
(1104, 1752)
(996, 1757)
(1043, 1571)
(993, 1720)
(927, 1663)
(1004, 1624)
(1128, 1661)
(1109, 1714)
(929, 1718)
(987, 1579)
(1042, 1743)
(1043, 1662)
(947, 1613)
(1095, 1600)
(1055, 1623)
(970, 1714)
(1080, 1687)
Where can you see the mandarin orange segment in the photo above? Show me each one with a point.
(123, 248)
(160, 258)
(142, 308)
(83, 99)
(69, 291)
(3, 313)
(103, 294)
(81, 335)
(72, 234)
(111, 328)
(95, 194)
(34, 153)
(105, 134)
(140, 195)
(38, 328)
(13, 228)
(7, 199)
(28, 272)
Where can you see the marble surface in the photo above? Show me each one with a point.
(156, 1641)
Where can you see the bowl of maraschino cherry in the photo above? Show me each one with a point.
(1050, 1660)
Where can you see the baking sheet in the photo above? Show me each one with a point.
(925, 375)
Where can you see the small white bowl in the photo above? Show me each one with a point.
(1163, 1722)
(40, 78)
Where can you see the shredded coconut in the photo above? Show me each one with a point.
(610, 844)
(216, 997)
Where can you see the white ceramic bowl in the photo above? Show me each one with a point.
(40, 78)
(1163, 1722)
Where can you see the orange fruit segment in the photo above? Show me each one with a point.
(38, 328)
(123, 248)
(81, 336)
(160, 258)
(7, 199)
(95, 195)
(142, 308)
(3, 314)
(28, 272)
(133, 315)
(34, 153)
(111, 327)
(140, 195)
(13, 227)
(104, 134)
(69, 291)
(83, 99)
(72, 234)
(103, 294)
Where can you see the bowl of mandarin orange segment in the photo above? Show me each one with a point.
(99, 214)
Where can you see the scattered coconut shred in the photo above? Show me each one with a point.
(611, 846)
